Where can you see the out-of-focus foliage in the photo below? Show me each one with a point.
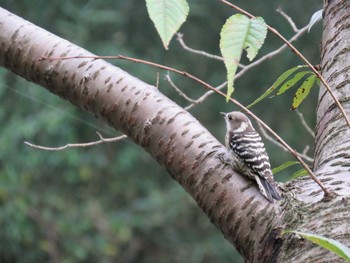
(114, 203)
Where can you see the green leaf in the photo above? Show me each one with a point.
(303, 91)
(293, 81)
(167, 16)
(283, 166)
(277, 83)
(327, 243)
(299, 173)
(238, 33)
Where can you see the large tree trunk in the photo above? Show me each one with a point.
(189, 152)
(332, 146)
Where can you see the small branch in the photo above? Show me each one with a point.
(181, 93)
(205, 96)
(157, 81)
(303, 121)
(179, 37)
(306, 149)
(82, 145)
(269, 138)
(301, 56)
(289, 19)
(200, 52)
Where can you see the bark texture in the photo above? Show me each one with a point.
(332, 147)
(189, 152)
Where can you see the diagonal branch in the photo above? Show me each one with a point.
(172, 136)
(327, 192)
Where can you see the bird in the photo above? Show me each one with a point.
(249, 156)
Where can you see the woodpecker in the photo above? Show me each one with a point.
(249, 156)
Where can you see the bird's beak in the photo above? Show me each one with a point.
(223, 113)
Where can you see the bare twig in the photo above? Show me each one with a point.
(272, 140)
(72, 145)
(179, 37)
(181, 93)
(306, 149)
(157, 81)
(204, 96)
(303, 121)
(301, 56)
(200, 52)
(289, 19)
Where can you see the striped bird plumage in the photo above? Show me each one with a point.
(251, 149)
(249, 154)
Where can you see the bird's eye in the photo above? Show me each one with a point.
(230, 118)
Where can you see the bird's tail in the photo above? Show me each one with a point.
(267, 189)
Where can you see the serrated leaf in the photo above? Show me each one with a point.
(283, 166)
(299, 173)
(167, 16)
(327, 243)
(277, 83)
(303, 91)
(238, 33)
(317, 16)
(293, 81)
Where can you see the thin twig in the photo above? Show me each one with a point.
(269, 138)
(200, 52)
(301, 56)
(157, 81)
(179, 37)
(303, 121)
(82, 145)
(306, 149)
(288, 18)
(181, 93)
(205, 96)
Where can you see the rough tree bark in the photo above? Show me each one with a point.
(190, 153)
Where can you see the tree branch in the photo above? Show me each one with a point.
(327, 193)
(80, 145)
(170, 134)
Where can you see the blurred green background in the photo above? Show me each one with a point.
(113, 202)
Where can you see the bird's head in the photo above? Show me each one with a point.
(237, 122)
